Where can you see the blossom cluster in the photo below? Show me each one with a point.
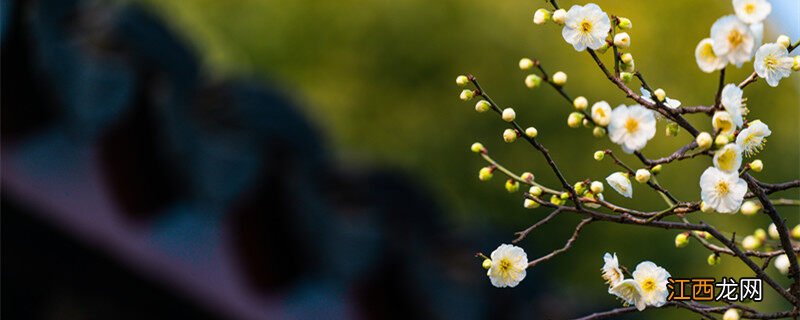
(647, 287)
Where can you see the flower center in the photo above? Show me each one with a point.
(750, 8)
(770, 62)
(708, 52)
(586, 26)
(735, 38)
(649, 284)
(722, 188)
(726, 159)
(505, 265)
(631, 125)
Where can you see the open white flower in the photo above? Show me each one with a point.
(722, 191)
(751, 140)
(773, 63)
(631, 127)
(508, 266)
(707, 60)
(619, 182)
(723, 122)
(630, 292)
(653, 281)
(732, 101)
(752, 11)
(669, 102)
(728, 158)
(611, 271)
(733, 39)
(586, 26)
(601, 113)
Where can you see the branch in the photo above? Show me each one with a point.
(566, 246)
(524, 233)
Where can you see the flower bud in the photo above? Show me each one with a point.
(757, 165)
(512, 185)
(580, 103)
(532, 81)
(596, 187)
(559, 16)
(760, 234)
(713, 259)
(599, 132)
(626, 58)
(660, 94)
(796, 63)
(629, 67)
(622, 40)
(624, 23)
(626, 77)
(656, 169)
(509, 135)
(782, 263)
(642, 175)
(574, 119)
(487, 264)
(530, 204)
(535, 191)
(721, 140)
(750, 243)
(531, 132)
(509, 115)
(467, 95)
(586, 123)
(560, 78)
(482, 106)
(527, 176)
(784, 41)
(681, 240)
(525, 64)
(603, 48)
(477, 147)
(731, 314)
(554, 199)
(564, 196)
(796, 232)
(541, 16)
(485, 174)
(703, 234)
(672, 129)
(749, 208)
(598, 155)
(462, 80)
(772, 230)
(703, 140)
(705, 207)
(580, 187)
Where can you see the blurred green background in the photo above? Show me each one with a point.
(378, 77)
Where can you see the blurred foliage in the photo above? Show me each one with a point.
(378, 76)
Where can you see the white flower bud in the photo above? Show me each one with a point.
(784, 41)
(660, 94)
(462, 80)
(559, 16)
(541, 16)
(482, 106)
(596, 187)
(525, 64)
(509, 135)
(598, 132)
(560, 78)
(477, 147)
(629, 67)
(487, 264)
(527, 176)
(467, 95)
(772, 230)
(757, 165)
(642, 175)
(622, 40)
(721, 141)
(731, 314)
(599, 155)
(782, 264)
(532, 81)
(530, 204)
(749, 208)
(626, 58)
(703, 140)
(580, 103)
(796, 63)
(574, 119)
(624, 23)
(531, 132)
(626, 77)
(509, 115)
(750, 243)
(535, 191)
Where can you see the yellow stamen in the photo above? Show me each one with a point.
(586, 26)
(631, 125)
(722, 188)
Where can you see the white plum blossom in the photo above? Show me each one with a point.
(723, 122)
(732, 39)
(631, 127)
(586, 27)
(732, 101)
(601, 113)
(619, 182)
(707, 60)
(722, 191)
(752, 11)
(630, 292)
(611, 271)
(669, 102)
(652, 280)
(751, 140)
(728, 158)
(773, 63)
(508, 266)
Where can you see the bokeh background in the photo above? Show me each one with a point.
(310, 159)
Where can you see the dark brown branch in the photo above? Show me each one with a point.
(566, 246)
(524, 233)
